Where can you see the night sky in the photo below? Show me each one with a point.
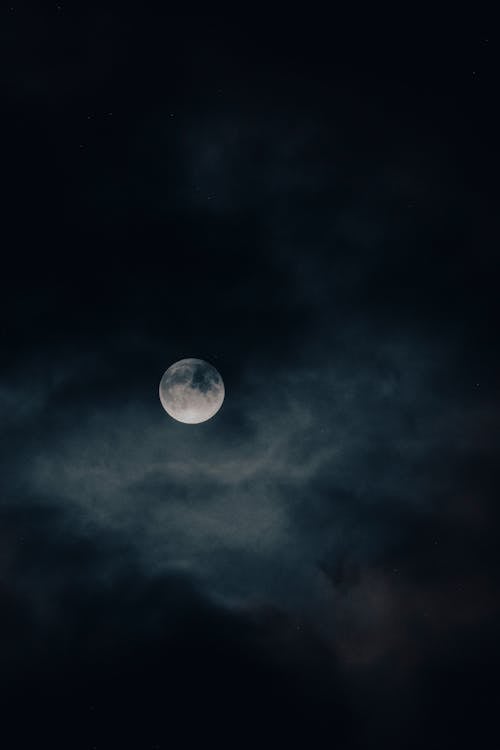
(309, 203)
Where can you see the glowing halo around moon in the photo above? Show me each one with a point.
(191, 391)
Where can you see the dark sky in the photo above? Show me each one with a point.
(310, 203)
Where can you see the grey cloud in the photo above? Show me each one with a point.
(277, 482)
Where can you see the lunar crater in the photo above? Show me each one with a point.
(191, 391)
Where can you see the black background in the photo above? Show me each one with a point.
(310, 202)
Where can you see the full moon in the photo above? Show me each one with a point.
(191, 391)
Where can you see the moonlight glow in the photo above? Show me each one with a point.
(191, 391)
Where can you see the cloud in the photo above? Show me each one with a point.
(302, 460)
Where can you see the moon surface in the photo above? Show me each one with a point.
(191, 391)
